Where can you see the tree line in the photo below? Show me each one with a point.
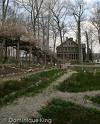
(50, 21)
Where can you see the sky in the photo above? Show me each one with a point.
(89, 1)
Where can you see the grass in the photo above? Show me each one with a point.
(80, 82)
(62, 112)
(10, 90)
(95, 99)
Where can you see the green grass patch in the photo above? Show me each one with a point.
(62, 112)
(10, 90)
(80, 82)
(96, 99)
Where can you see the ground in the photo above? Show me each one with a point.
(29, 106)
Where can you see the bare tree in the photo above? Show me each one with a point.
(43, 31)
(87, 41)
(55, 34)
(5, 4)
(88, 32)
(60, 14)
(96, 18)
(33, 7)
(78, 11)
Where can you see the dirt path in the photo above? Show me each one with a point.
(28, 106)
(79, 98)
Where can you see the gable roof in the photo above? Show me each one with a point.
(67, 42)
(70, 40)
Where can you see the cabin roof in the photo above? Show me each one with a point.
(70, 40)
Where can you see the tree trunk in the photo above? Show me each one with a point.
(54, 46)
(63, 58)
(79, 42)
(87, 41)
(5, 54)
(92, 50)
(43, 45)
(51, 61)
(5, 4)
(48, 29)
(33, 22)
(45, 60)
(30, 55)
(17, 52)
(99, 34)
(38, 33)
(43, 31)
(2, 51)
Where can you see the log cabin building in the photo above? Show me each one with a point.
(70, 51)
